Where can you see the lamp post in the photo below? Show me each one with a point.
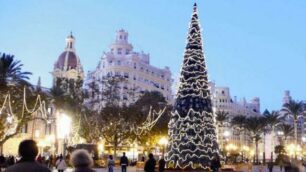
(64, 130)
(163, 142)
(226, 135)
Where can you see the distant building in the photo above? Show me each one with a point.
(67, 70)
(68, 67)
(122, 60)
(223, 101)
(301, 124)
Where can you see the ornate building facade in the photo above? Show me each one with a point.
(223, 101)
(44, 128)
(68, 67)
(122, 60)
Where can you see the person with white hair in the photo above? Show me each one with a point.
(81, 161)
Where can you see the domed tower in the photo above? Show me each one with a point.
(68, 67)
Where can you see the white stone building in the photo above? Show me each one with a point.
(121, 60)
(223, 101)
(301, 124)
(68, 64)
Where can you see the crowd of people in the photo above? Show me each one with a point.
(81, 161)
(30, 161)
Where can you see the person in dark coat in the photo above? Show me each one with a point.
(215, 164)
(28, 150)
(2, 162)
(161, 164)
(270, 166)
(124, 162)
(150, 164)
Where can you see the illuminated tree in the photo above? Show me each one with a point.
(192, 131)
(18, 98)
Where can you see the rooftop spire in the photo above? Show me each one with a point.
(70, 42)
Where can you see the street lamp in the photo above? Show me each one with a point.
(163, 141)
(64, 129)
(280, 135)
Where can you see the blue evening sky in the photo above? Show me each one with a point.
(257, 48)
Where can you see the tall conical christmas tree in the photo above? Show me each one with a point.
(192, 132)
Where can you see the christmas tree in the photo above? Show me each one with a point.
(192, 132)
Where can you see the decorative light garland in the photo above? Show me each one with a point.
(7, 105)
(149, 123)
(192, 131)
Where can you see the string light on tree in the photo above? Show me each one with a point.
(192, 132)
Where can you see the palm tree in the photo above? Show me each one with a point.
(222, 118)
(287, 131)
(11, 73)
(256, 126)
(238, 122)
(294, 109)
(273, 119)
(13, 81)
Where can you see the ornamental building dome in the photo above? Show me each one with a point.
(68, 64)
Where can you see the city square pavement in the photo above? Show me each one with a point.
(134, 169)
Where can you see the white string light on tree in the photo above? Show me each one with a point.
(192, 133)
(149, 123)
(13, 120)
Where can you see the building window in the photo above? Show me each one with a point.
(119, 50)
(119, 62)
(135, 66)
(117, 73)
(127, 51)
(126, 75)
(125, 97)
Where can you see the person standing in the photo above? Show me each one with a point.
(61, 164)
(161, 164)
(270, 166)
(124, 162)
(110, 163)
(28, 150)
(215, 164)
(2, 162)
(81, 161)
(150, 164)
